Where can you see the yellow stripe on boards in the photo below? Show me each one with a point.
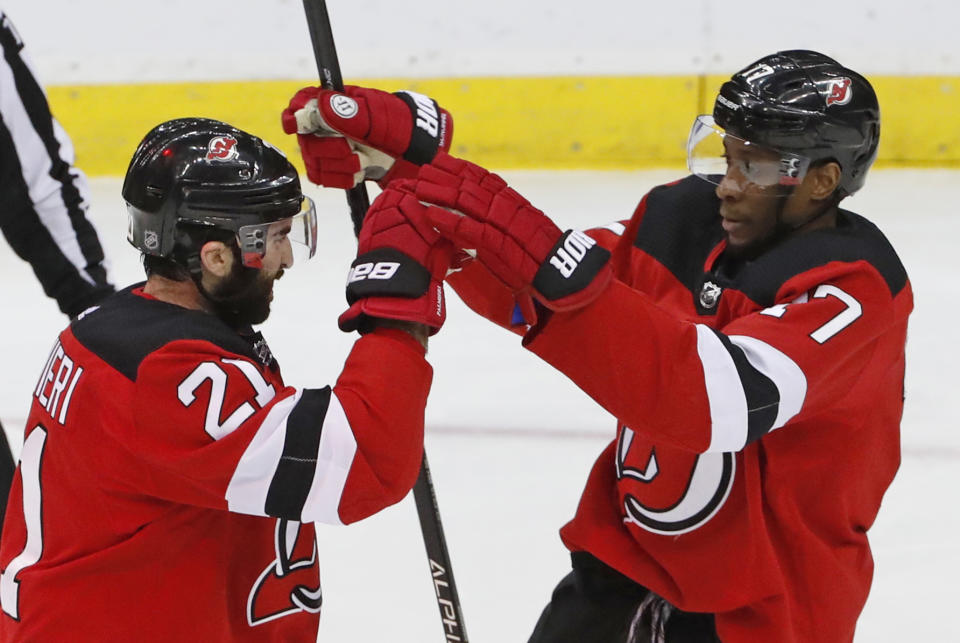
(591, 122)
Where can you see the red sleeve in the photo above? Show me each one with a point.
(837, 330)
(217, 429)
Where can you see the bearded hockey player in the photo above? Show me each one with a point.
(747, 333)
(169, 477)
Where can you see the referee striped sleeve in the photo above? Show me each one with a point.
(296, 465)
(45, 198)
(752, 388)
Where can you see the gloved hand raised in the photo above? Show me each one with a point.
(388, 136)
(400, 266)
(517, 242)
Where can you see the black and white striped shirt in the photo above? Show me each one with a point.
(43, 197)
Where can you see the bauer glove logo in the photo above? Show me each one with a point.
(567, 256)
(571, 266)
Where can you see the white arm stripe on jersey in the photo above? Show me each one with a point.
(728, 404)
(265, 478)
(783, 371)
(752, 388)
(248, 488)
(338, 446)
(616, 227)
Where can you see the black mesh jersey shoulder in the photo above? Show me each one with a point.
(126, 328)
(853, 239)
(681, 226)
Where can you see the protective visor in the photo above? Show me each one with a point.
(713, 154)
(298, 233)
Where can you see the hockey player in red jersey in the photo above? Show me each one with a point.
(749, 336)
(169, 477)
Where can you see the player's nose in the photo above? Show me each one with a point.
(730, 186)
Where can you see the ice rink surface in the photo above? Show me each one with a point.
(510, 441)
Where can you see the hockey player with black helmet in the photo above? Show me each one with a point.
(747, 333)
(169, 478)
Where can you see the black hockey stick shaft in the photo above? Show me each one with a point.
(438, 557)
(451, 614)
(325, 53)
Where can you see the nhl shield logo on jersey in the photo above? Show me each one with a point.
(291, 582)
(710, 294)
(222, 148)
(839, 92)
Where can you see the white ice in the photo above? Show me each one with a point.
(510, 441)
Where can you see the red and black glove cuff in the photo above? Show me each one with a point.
(386, 272)
(575, 270)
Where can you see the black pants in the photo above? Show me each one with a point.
(596, 604)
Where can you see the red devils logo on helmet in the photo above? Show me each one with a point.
(291, 582)
(222, 148)
(840, 92)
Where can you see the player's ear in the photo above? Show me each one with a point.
(825, 179)
(216, 258)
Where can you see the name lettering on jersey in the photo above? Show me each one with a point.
(57, 383)
(451, 624)
(428, 119)
(568, 256)
(373, 270)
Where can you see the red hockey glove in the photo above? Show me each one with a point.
(388, 135)
(400, 265)
(513, 239)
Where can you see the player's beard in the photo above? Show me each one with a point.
(243, 297)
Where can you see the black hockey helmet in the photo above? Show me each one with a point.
(806, 104)
(191, 175)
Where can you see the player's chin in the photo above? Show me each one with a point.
(743, 246)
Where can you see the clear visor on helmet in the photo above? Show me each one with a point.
(715, 156)
(294, 237)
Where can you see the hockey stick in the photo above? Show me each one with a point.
(438, 557)
(325, 53)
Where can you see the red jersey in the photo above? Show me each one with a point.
(758, 412)
(169, 479)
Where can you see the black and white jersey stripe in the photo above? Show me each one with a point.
(278, 473)
(752, 388)
(44, 197)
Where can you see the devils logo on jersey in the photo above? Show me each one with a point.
(291, 582)
(222, 148)
(669, 491)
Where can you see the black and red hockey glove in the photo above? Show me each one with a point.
(400, 266)
(517, 242)
(388, 136)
